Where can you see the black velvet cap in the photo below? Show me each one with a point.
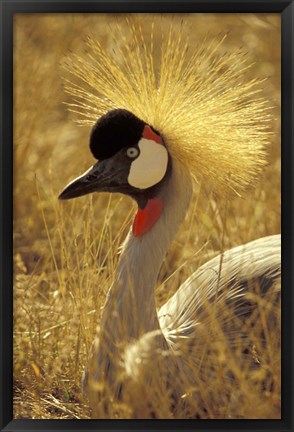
(113, 131)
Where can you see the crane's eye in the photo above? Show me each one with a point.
(132, 152)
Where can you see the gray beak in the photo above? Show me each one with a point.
(93, 180)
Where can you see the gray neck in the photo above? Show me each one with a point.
(130, 309)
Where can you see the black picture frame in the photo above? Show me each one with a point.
(7, 9)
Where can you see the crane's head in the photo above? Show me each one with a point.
(212, 117)
(132, 159)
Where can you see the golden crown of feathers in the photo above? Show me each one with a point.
(213, 119)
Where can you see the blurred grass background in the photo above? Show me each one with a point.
(65, 253)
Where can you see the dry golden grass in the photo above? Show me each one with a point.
(66, 253)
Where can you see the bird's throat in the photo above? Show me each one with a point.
(147, 217)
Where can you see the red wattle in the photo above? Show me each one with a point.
(146, 218)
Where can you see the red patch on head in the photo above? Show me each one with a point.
(146, 218)
(149, 134)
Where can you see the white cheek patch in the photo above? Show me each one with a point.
(151, 165)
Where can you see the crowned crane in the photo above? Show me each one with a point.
(157, 128)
